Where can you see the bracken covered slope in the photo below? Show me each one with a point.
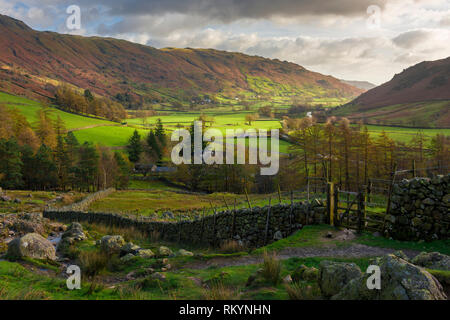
(417, 97)
(34, 62)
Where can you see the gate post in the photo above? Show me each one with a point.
(330, 202)
(361, 212)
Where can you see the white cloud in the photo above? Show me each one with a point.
(329, 37)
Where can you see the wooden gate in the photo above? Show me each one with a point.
(349, 210)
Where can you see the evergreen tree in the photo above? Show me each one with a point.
(86, 170)
(123, 172)
(45, 173)
(160, 133)
(10, 164)
(62, 162)
(88, 95)
(28, 168)
(154, 148)
(134, 147)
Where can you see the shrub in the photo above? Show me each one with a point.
(25, 294)
(231, 246)
(130, 292)
(218, 291)
(300, 291)
(93, 262)
(271, 270)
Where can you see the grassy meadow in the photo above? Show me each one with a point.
(224, 117)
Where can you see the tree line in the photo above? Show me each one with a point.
(70, 100)
(47, 157)
(349, 156)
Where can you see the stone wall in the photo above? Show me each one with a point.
(86, 202)
(420, 209)
(253, 227)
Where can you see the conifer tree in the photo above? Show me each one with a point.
(134, 147)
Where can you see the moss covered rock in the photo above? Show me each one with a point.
(33, 246)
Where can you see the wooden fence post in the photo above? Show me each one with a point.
(203, 225)
(291, 211)
(267, 222)
(226, 204)
(369, 190)
(248, 200)
(233, 225)
(279, 194)
(361, 212)
(330, 202)
(336, 219)
(214, 221)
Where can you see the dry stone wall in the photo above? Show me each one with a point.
(86, 202)
(420, 209)
(254, 227)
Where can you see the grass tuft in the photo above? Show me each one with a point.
(271, 270)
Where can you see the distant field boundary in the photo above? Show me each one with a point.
(86, 202)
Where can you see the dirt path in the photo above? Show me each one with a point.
(352, 251)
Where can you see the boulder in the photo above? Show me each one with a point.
(168, 214)
(145, 253)
(31, 245)
(185, 253)
(164, 251)
(127, 257)
(333, 276)
(400, 280)
(129, 248)
(401, 255)
(277, 236)
(5, 198)
(111, 244)
(158, 276)
(305, 273)
(74, 233)
(27, 226)
(432, 260)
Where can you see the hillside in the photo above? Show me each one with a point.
(33, 63)
(418, 97)
(364, 85)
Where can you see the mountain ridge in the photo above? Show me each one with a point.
(35, 62)
(417, 97)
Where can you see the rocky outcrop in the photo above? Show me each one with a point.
(185, 253)
(432, 260)
(420, 209)
(112, 244)
(74, 233)
(333, 276)
(165, 251)
(33, 246)
(303, 273)
(400, 280)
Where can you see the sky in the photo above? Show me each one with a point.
(367, 40)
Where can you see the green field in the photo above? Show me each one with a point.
(404, 134)
(29, 109)
(116, 136)
(111, 134)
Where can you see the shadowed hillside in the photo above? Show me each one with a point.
(418, 97)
